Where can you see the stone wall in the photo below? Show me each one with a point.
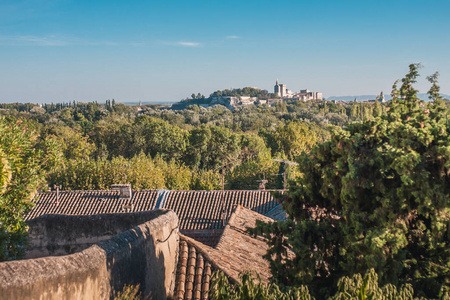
(146, 254)
(63, 234)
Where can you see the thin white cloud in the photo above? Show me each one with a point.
(31, 40)
(233, 37)
(49, 41)
(180, 44)
(188, 44)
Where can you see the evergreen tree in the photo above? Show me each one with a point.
(377, 195)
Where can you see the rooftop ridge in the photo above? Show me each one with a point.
(77, 191)
(147, 190)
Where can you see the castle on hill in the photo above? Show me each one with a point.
(281, 90)
(231, 102)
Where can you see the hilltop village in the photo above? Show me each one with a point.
(236, 98)
(279, 90)
(246, 96)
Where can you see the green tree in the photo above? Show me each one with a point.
(291, 139)
(377, 195)
(206, 180)
(248, 175)
(72, 143)
(212, 147)
(90, 174)
(177, 176)
(20, 176)
(113, 136)
(154, 136)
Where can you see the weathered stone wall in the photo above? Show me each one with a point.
(63, 234)
(146, 254)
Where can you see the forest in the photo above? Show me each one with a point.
(94, 145)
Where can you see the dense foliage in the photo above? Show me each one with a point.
(246, 91)
(82, 146)
(356, 287)
(377, 195)
(249, 288)
(21, 173)
(186, 149)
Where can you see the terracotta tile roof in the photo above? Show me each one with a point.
(193, 273)
(205, 209)
(82, 203)
(240, 251)
(202, 214)
(208, 237)
(243, 218)
(235, 253)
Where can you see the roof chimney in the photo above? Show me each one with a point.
(123, 189)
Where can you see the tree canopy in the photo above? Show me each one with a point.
(20, 175)
(376, 195)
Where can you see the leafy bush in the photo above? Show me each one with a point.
(129, 292)
(356, 287)
(248, 288)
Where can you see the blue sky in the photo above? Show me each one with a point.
(63, 50)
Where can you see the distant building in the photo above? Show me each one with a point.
(307, 95)
(381, 98)
(247, 100)
(283, 92)
(280, 89)
(232, 102)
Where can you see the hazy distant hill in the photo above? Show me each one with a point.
(422, 96)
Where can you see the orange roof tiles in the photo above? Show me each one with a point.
(193, 273)
(207, 209)
(196, 210)
(91, 203)
(241, 252)
(235, 253)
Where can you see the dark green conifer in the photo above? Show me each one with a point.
(377, 195)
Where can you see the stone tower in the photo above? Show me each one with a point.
(279, 89)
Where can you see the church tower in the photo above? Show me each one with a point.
(279, 89)
(276, 88)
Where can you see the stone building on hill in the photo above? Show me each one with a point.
(280, 89)
(304, 95)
